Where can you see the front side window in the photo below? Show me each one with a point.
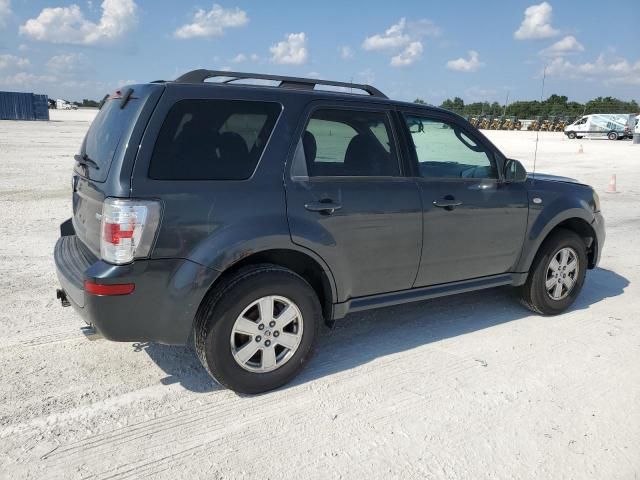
(212, 139)
(445, 151)
(346, 143)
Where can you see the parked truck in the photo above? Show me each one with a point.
(613, 126)
(64, 105)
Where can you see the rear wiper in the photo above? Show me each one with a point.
(86, 161)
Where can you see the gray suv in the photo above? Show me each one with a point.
(244, 216)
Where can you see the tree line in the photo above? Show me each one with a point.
(554, 105)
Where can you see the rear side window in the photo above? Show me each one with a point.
(212, 139)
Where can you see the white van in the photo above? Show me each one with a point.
(610, 125)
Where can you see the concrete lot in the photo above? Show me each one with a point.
(472, 386)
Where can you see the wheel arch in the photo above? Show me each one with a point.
(585, 231)
(576, 224)
(300, 262)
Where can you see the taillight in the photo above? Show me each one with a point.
(128, 228)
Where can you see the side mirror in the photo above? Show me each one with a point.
(514, 171)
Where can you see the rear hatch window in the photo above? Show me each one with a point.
(109, 133)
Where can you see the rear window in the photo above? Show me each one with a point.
(212, 139)
(109, 131)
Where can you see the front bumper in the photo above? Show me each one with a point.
(598, 227)
(162, 307)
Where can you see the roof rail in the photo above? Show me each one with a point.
(199, 76)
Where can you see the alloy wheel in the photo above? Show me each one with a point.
(266, 334)
(562, 273)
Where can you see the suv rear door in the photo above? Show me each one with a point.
(474, 222)
(109, 150)
(349, 201)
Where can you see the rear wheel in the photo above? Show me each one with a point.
(557, 274)
(612, 136)
(256, 331)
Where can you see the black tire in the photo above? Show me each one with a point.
(571, 135)
(217, 315)
(533, 293)
(612, 136)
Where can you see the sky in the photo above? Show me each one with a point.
(478, 50)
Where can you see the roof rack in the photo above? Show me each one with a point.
(199, 76)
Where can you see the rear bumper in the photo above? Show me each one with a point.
(160, 309)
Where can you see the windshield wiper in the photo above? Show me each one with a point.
(86, 161)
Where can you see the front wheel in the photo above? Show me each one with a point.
(557, 274)
(571, 135)
(256, 331)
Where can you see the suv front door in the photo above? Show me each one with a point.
(474, 222)
(349, 202)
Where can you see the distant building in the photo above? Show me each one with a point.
(23, 106)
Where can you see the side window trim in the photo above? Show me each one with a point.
(443, 117)
(295, 173)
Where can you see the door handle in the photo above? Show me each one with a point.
(448, 203)
(325, 207)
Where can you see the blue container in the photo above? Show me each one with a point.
(23, 106)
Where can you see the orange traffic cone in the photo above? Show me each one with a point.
(580, 150)
(612, 185)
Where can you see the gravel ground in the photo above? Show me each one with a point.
(472, 386)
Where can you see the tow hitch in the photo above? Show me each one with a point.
(62, 296)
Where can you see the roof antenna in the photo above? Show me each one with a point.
(535, 153)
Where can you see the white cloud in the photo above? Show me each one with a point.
(471, 64)
(212, 23)
(393, 37)
(5, 11)
(57, 87)
(566, 46)
(26, 80)
(68, 64)
(536, 23)
(410, 54)
(424, 28)
(68, 24)
(292, 51)
(615, 71)
(346, 53)
(11, 62)
(240, 58)
(403, 40)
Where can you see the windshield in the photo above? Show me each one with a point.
(108, 135)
